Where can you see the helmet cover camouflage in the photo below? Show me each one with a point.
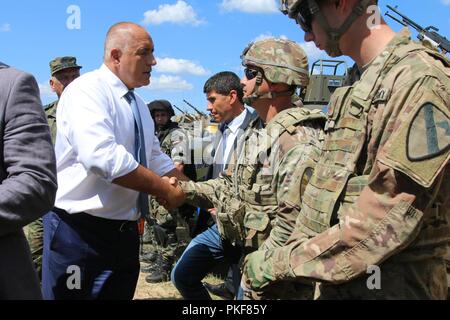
(289, 7)
(282, 60)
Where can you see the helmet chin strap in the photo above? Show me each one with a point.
(335, 34)
(256, 95)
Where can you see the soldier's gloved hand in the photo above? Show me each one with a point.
(249, 294)
(257, 271)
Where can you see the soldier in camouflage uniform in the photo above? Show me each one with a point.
(63, 71)
(376, 208)
(258, 200)
(171, 230)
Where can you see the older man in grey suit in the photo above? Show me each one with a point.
(27, 179)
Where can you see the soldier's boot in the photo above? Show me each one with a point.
(149, 269)
(162, 271)
(154, 264)
(149, 257)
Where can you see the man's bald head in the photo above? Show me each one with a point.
(121, 35)
(129, 54)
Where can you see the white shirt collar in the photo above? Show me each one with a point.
(118, 86)
(236, 122)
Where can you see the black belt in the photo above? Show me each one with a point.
(120, 225)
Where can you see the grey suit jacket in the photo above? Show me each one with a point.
(27, 179)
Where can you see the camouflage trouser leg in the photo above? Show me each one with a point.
(148, 236)
(168, 252)
(35, 236)
(171, 232)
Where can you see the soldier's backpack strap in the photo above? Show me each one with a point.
(370, 92)
(290, 118)
(286, 122)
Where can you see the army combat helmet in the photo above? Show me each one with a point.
(279, 61)
(303, 11)
(161, 105)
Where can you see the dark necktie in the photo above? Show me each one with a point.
(220, 160)
(139, 149)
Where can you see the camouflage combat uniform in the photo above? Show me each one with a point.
(170, 232)
(382, 182)
(173, 143)
(258, 199)
(35, 230)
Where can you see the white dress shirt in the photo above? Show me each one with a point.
(225, 147)
(95, 142)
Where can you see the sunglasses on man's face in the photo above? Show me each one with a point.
(250, 73)
(304, 17)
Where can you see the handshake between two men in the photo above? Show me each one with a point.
(176, 197)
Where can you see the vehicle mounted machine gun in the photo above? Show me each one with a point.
(429, 33)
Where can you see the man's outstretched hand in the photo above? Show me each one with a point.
(175, 197)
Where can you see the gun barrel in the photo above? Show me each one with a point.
(405, 19)
(196, 110)
(394, 18)
(183, 112)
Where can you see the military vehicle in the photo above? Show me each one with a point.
(325, 77)
(200, 131)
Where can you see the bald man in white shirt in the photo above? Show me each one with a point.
(108, 160)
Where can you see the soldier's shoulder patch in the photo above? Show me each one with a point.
(420, 146)
(428, 133)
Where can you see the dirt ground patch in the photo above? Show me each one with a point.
(163, 290)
